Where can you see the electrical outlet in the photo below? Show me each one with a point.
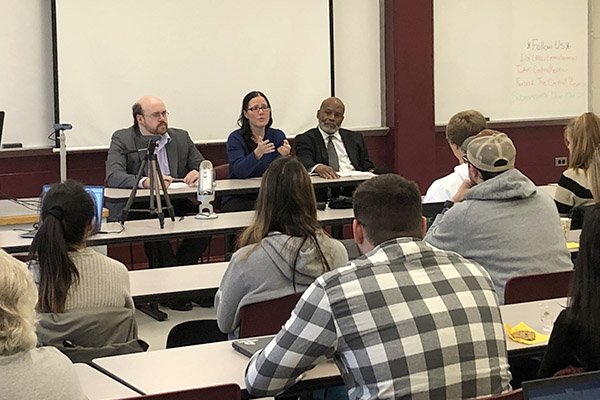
(560, 161)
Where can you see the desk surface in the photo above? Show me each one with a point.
(149, 230)
(529, 313)
(230, 186)
(97, 386)
(23, 211)
(190, 367)
(150, 284)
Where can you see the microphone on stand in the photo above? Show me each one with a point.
(206, 190)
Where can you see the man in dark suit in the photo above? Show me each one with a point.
(177, 157)
(328, 149)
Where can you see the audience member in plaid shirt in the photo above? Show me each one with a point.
(405, 320)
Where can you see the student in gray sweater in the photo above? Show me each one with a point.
(282, 251)
(500, 220)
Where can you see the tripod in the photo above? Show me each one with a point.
(155, 177)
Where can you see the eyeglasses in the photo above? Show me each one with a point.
(158, 114)
(262, 107)
(466, 160)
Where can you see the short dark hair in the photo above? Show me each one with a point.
(136, 110)
(388, 206)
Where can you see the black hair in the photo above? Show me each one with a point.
(243, 122)
(66, 214)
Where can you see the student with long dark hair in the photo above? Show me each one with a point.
(574, 345)
(69, 274)
(283, 250)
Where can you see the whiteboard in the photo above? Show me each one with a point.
(511, 59)
(200, 56)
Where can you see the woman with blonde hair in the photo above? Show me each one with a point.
(283, 250)
(582, 137)
(27, 372)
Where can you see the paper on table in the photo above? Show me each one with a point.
(572, 245)
(178, 185)
(522, 326)
(355, 173)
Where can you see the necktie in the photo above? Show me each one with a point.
(332, 154)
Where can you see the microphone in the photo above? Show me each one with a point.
(206, 190)
(62, 127)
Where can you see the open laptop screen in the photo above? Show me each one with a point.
(97, 193)
(581, 387)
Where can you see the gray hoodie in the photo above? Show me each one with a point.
(508, 226)
(263, 271)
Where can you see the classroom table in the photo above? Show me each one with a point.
(529, 313)
(161, 284)
(149, 230)
(197, 366)
(231, 186)
(25, 212)
(99, 386)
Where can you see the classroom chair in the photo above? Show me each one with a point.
(195, 332)
(221, 171)
(512, 395)
(221, 392)
(266, 317)
(551, 285)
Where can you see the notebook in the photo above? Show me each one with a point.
(251, 345)
(97, 193)
(584, 386)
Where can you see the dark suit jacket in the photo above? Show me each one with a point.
(311, 150)
(121, 169)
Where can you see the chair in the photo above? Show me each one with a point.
(195, 332)
(551, 285)
(253, 321)
(516, 394)
(221, 171)
(221, 392)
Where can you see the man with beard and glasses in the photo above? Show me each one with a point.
(329, 149)
(177, 157)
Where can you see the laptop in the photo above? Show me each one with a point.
(251, 345)
(97, 193)
(431, 210)
(580, 386)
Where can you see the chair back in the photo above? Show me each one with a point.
(221, 392)
(221, 171)
(195, 332)
(88, 333)
(551, 285)
(516, 394)
(266, 317)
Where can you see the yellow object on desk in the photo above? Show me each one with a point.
(520, 333)
(573, 245)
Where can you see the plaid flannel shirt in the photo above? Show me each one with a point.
(404, 321)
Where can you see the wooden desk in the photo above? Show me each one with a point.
(97, 385)
(149, 230)
(190, 281)
(197, 366)
(230, 186)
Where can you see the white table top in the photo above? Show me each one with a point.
(158, 281)
(529, 313)
(230, 186)
(148, 230)
(189, 367)
(99, 386)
